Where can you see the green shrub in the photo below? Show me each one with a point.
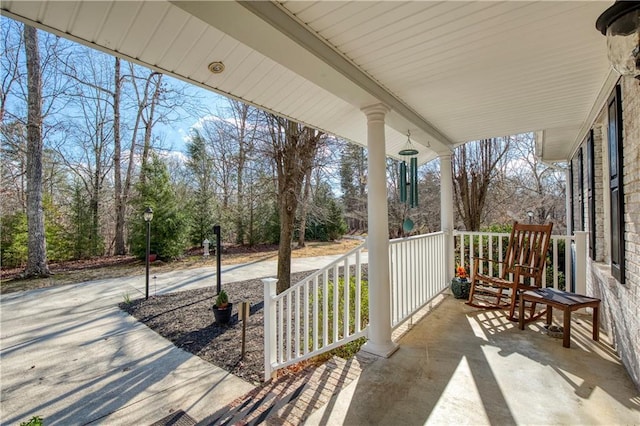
(351, 348)
(222, 300)
(34, 421)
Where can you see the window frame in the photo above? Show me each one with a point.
(581, 187)
(591, 196)
(616, 184)
(572, 202)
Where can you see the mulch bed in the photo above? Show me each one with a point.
(186, 319)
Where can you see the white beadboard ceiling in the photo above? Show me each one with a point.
(450, 71)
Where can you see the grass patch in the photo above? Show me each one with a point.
(350, 349)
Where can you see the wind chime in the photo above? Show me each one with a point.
(410, 153)
(410, 184)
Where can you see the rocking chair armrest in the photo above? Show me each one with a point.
(486, 259)
(519, 266)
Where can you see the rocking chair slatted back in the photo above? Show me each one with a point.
(527, 252)
(522, 269)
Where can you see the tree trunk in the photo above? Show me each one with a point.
(119, 248)
(304, 207)
(474, 166)
(293, 154)
(242, 156)
(36, 244)
(287, 220)
(148, 128)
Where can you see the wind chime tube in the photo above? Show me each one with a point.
(403, 182)
(414, 182)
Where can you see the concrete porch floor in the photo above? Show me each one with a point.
(461, 365)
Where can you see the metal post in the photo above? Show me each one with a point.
(244, 309)
(147, 258)
(216, 231)
(148, 217)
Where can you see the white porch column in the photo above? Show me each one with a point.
(581, 261)
(379, 342)
(446, 211)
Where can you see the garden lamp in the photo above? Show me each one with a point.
(148, 217)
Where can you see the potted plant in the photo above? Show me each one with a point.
(222, 308)
(460, 284)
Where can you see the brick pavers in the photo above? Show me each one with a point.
(290, 399)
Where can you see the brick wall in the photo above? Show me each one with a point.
(620, 302)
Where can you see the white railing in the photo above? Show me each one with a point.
(417, 273)
(568, 275)
(316, 315)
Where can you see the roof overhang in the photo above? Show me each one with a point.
(450, 71)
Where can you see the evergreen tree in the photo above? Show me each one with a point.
(200, 166)
(169, 227)
(81, 223)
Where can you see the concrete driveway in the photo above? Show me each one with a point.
(69, 355)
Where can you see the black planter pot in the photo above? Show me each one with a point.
(223, 316)
(460, 288)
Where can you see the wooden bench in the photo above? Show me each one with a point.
(568, 302)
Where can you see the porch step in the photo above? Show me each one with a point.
(290, 399)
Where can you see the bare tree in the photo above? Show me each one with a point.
(245, 119)
(10, 64)
(304, 208)
(474, 166)
(119, 247)
(37, 245)
(293, 149)
(353, 181)
(534, 186)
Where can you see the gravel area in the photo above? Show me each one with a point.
(186, 319)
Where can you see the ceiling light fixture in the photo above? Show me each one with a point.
(621, 24)
(216, 67)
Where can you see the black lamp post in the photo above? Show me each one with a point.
(530, 214)
(148, 217)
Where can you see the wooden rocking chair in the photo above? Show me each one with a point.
(522, 269)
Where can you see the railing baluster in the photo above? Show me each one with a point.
(402, 283)
(393, 283)
(500, 255)
(336, 312)
(325, 309)
(471, 249)
(358, 301)
(288, 342)
(568, 270)
(555, 263)
(316, 335)
(296, 321)
(347, 288)
(481, 252)
(305, 307)
(281, 330)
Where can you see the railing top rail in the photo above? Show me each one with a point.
(321, 271)
(415, 237)
(506, 234)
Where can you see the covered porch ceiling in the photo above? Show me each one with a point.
(450, 71)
